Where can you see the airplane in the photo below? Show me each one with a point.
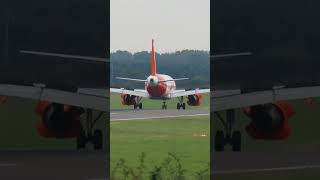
(61, 61)
(158, 87)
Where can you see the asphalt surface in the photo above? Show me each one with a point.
(248, 162)
(53, 165)
(122, 115)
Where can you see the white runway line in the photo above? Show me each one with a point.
(160, 117)
(237, 171)
(113, 113)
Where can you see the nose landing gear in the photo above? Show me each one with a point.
(164, 106)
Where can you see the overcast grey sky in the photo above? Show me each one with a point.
(174, 24)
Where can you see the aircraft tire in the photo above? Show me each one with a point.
(140, 105)
(184, 106)
(178, 106)
(219, 141)
(97, 139)
(81, 140)
(236, 141)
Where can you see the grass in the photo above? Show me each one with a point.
(115, 103)
(157, 138)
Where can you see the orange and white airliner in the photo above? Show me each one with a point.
(160, 87)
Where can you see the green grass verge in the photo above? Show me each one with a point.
(115, 103)
(157, 138)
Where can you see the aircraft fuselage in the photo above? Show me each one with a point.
(158, 89)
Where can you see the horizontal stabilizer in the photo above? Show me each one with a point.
(179, 79)
(131, 79)
(66, 56)
(230, 55)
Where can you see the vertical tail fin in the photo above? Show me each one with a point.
(153, 61)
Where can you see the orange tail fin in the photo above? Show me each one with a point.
(153, 62)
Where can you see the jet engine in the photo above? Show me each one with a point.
(58, 120)
(269, 121)
(127, 99)
(194, 100)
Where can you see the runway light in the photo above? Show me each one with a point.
(199, 135)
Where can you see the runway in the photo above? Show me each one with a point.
(125, 115)
(53, 165)
(247, 162)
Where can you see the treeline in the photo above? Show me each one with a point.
(193, 64)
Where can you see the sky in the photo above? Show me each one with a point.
(173, 24)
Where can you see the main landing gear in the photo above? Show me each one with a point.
(138, 104)
(181, 104)
(164, 106)
(228, 136)
(88, 135)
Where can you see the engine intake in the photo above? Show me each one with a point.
(127, 99)
(194, 100)
(269, 121)
(58, 120)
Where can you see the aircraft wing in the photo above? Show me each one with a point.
(179, 93)
(96, 99)
(135, 92)
(233, 99)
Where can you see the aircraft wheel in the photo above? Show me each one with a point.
(184, 106)
(140, 105)
(97, 139)
(236, 141)
(135, 106)
(219, 141)
(178, 106)
(81, 140)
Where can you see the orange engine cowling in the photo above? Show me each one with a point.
(194, 100)
(127, 99)
(58, 120)
(269, 121)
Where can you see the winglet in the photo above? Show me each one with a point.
(153, 61)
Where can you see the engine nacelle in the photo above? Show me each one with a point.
(58, 120)
(194, 100)
(269, 121)
(127, 99)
